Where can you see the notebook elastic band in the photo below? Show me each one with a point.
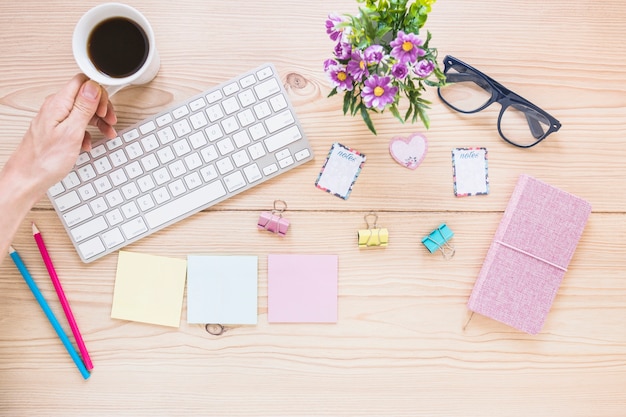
(531, 255)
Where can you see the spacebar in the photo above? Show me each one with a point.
(185, 204)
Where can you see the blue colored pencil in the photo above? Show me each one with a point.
(46, 309)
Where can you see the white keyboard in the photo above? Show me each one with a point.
(167, 167)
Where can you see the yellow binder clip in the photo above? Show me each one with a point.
(372, 236)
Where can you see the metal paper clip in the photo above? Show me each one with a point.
(372, 236)
(438, 239)
(274, 221)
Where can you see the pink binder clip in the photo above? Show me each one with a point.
(274, 221)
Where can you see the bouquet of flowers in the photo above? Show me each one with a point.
(379, 57)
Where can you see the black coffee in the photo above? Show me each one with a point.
(118, 47)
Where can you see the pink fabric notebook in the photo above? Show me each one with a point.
(529, 255)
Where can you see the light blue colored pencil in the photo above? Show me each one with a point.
(46, 309)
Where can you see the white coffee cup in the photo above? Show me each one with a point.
(101, 67)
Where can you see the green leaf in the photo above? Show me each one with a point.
(346, 101)
(394, 110)
(366, 118)
(332, 92)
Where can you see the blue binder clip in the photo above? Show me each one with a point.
(438, 239)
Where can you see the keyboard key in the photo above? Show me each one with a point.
(130, 210)
(182, 128)
(247, 81)
(187, 203)
(98, 205)
(147, 127)
(208, 173)
(214, 96)
(150, 143)
(71, 180)
(231, 89)
(145, 202)
(270, 169)
(197, 140)
(67, 201)
(225, 146)
(91, 248)
(112, 238)
(79, 214)
(114, 143)
(180, 112)
(131, 135)
(257, 131)
(97, 151)
(267, 88)
(114, 217)
(56, 189)
(230, 105)
(264, 73)
(257, 151)
(198, 120)
(209, 153)
(283, 138)
(86, 173)
(103, 165)
(252, 173)
(118, 158)
(83, 158)
(300, 155)
(279, 121)
(166, 135)
(134, 228)
(89, 229)
(234, 181)
(118, 177)
(87, 192)
(278, 102)
(240, 158)
(164, 119)
(197, 104)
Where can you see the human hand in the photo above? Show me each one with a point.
(58, 133)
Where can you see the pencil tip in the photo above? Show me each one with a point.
(35, 230)
(11, 249)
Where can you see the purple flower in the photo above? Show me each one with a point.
(406, 47)
(343, 50)
(329, 63)
(374, 54)
(399, 71)
(378, 92)
(424, 68)
(331, 26)
(357, 66)
(340, 78)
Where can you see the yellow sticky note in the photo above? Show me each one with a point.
(149, 289)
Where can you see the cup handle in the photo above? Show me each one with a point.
(112, 89)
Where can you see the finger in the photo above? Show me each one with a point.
(106, 129)
(59, 105)
(86, 145)
(103, 106)
(85, 105)
(110, 117)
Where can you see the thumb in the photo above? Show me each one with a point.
(85, 104)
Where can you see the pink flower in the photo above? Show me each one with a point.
(343, 50)
(357, 66)
(424, 68)
(406, 47)
(340, 78)
(331, 26)
(378, 92)
(399, 71)
(374, 54)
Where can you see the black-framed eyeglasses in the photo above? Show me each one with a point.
(468, 90)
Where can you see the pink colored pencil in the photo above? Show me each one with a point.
(61, 294)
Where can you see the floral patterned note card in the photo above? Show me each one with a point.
(469, 167)
(340, 171)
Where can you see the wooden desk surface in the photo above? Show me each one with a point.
(399, 347)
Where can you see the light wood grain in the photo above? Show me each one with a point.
(399, 347)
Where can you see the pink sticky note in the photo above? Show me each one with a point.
(302, 288)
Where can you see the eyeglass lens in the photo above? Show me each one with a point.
(469, 92)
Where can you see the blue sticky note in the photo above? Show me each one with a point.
(222, 289)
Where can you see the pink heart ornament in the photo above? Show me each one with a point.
(409, 152)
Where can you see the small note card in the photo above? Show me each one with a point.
(149, 288)
(302, 288)
(340, 171)
(470, 171)
(222, 289)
